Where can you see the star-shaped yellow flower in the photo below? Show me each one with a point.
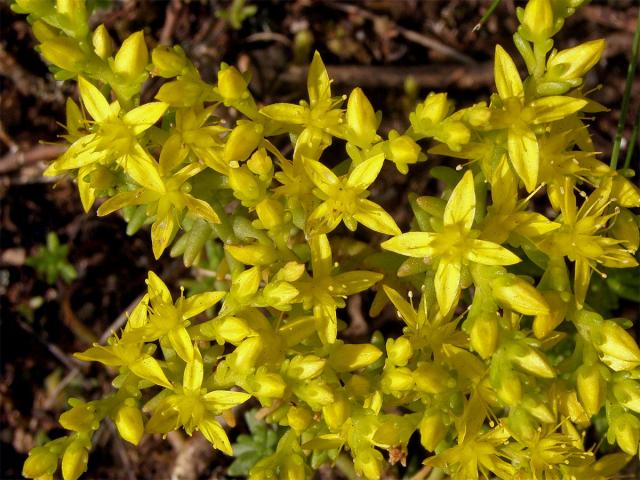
(455, 246)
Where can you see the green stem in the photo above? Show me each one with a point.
(615, 153)
(487, 14)
(633, 141)
(345, 465)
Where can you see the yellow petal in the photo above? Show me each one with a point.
(447, 281)
(142, 117)
(182, 344)
(318, 83)
(508, 82)
(581, 281)
(93, 100)
(161, 233)
(550, 109)
(376, 218)
(366, 172)
(193, 372)
(524, 155)
(489, 253)
(321, 176)
(321, 261)
(149, 369)
(355, 281)
(461, 206)
(411, 244)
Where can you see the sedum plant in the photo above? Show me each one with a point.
(503, 363)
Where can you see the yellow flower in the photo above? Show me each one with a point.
(325, 292)
(193, 408)
(167, 203)
(518, 115)
(579, 241)
(454, 247)
(114, 139)
(344, 199)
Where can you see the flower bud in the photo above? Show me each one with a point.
(397, 380)
(537, 20)
(63, 52)
(369, 463)
(74, 460)
(132, 58)
(129, 423)
(531, 360)
(510, 389)
(102, 42)
(626, 428)
(349, 357)
(293, 468)
(431, 378)
(544, 324)
(518, 295)
(484, 334)
(591, 388)
(336, 413)
(402, 149)
(574, 63)
(299, 418)
(80, 418)
(399, 351)
(261, 164)
(43, 31)
(316, 394)
(270, 212)
(625, 228)
(627, 392)
(234, 330)
(231, 84)
(432, 431)
(305, 368)
(361, 118)
(168, 62)
(269, 385)
(40, 463)
(244, 357)
(618, 349)
(245, 186)
(242, 141)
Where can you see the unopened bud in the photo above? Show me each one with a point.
(518, 295)
(129, 423)
(242, 141)
(432, 431)
(40, 463)
(484, 334)
(74, 460)
(399, 351)
(132, 58)
(102, 42)
(591, 388)
(231, 84)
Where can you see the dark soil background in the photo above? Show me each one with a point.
(375, 44)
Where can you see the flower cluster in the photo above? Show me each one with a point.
(503, 363)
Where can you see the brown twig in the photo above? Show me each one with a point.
(440, 76)
(192, 459)
(39, 153)
(171, 19)
(423, 39)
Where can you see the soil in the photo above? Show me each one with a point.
(376, 44)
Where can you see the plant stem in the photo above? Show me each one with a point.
(615, 153)
(632, 142)
(345, 465)
(487, 14)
